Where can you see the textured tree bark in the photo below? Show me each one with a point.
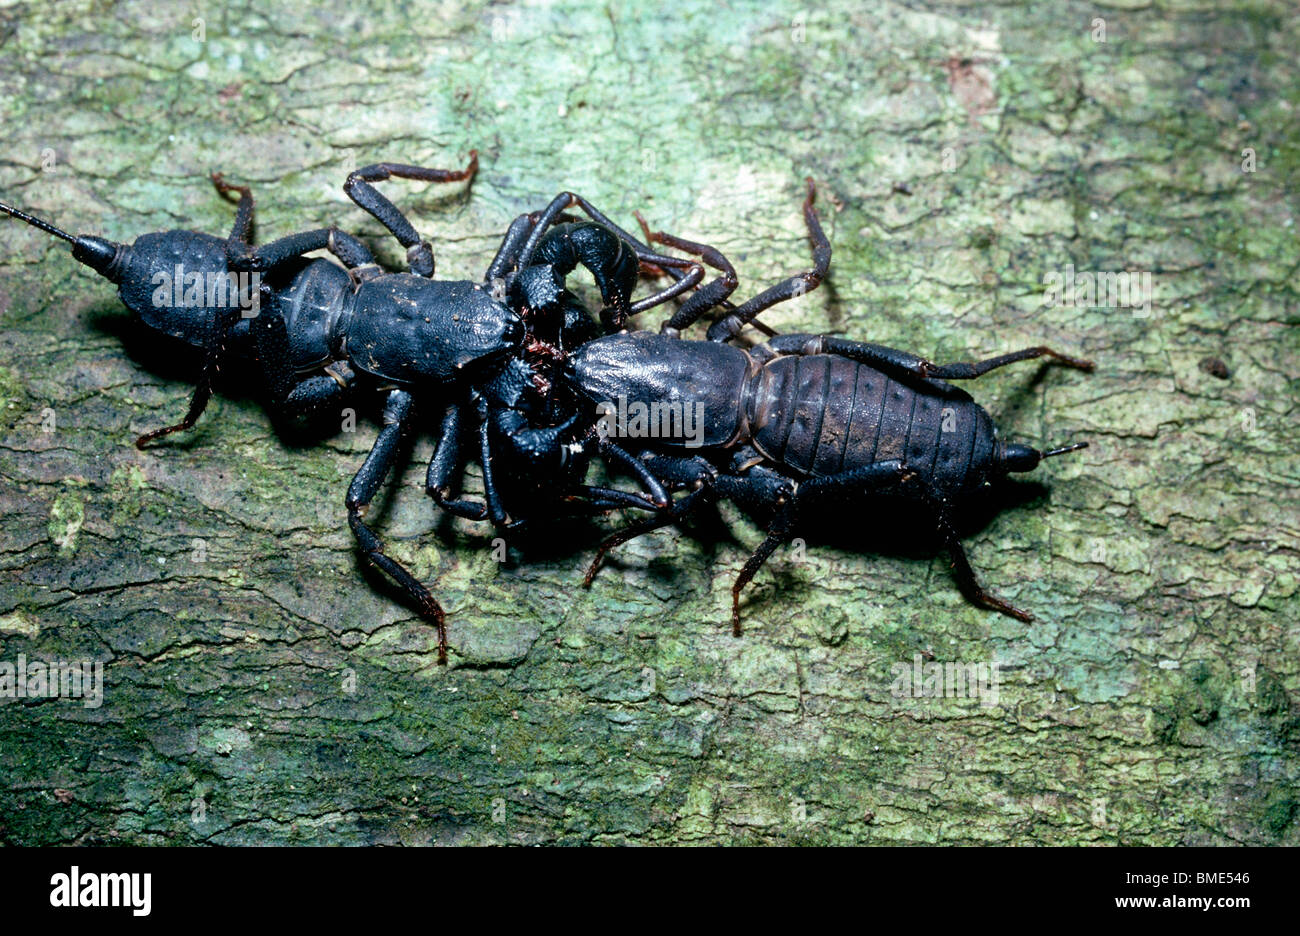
(260, 688)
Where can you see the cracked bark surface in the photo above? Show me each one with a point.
(269, 693)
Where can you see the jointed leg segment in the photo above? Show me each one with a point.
(358, 188)
(398, 411)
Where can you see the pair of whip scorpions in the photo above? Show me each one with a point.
(518, 370)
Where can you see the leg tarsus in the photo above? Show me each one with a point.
(215, 346)
(198, 403)
(373, 550)
(965, 575)
(775, 537)
(865, 477)
(243, 227)
(967, 370)
(397, 414)
(724, 329)
(709, 296)
(673, 514)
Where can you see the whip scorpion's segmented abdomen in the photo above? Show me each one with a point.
(824, 414)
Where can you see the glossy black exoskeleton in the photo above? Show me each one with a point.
(801, 421)
(314, 332)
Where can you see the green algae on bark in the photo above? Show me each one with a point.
(261, 688)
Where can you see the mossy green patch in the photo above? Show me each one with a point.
(961, 155)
